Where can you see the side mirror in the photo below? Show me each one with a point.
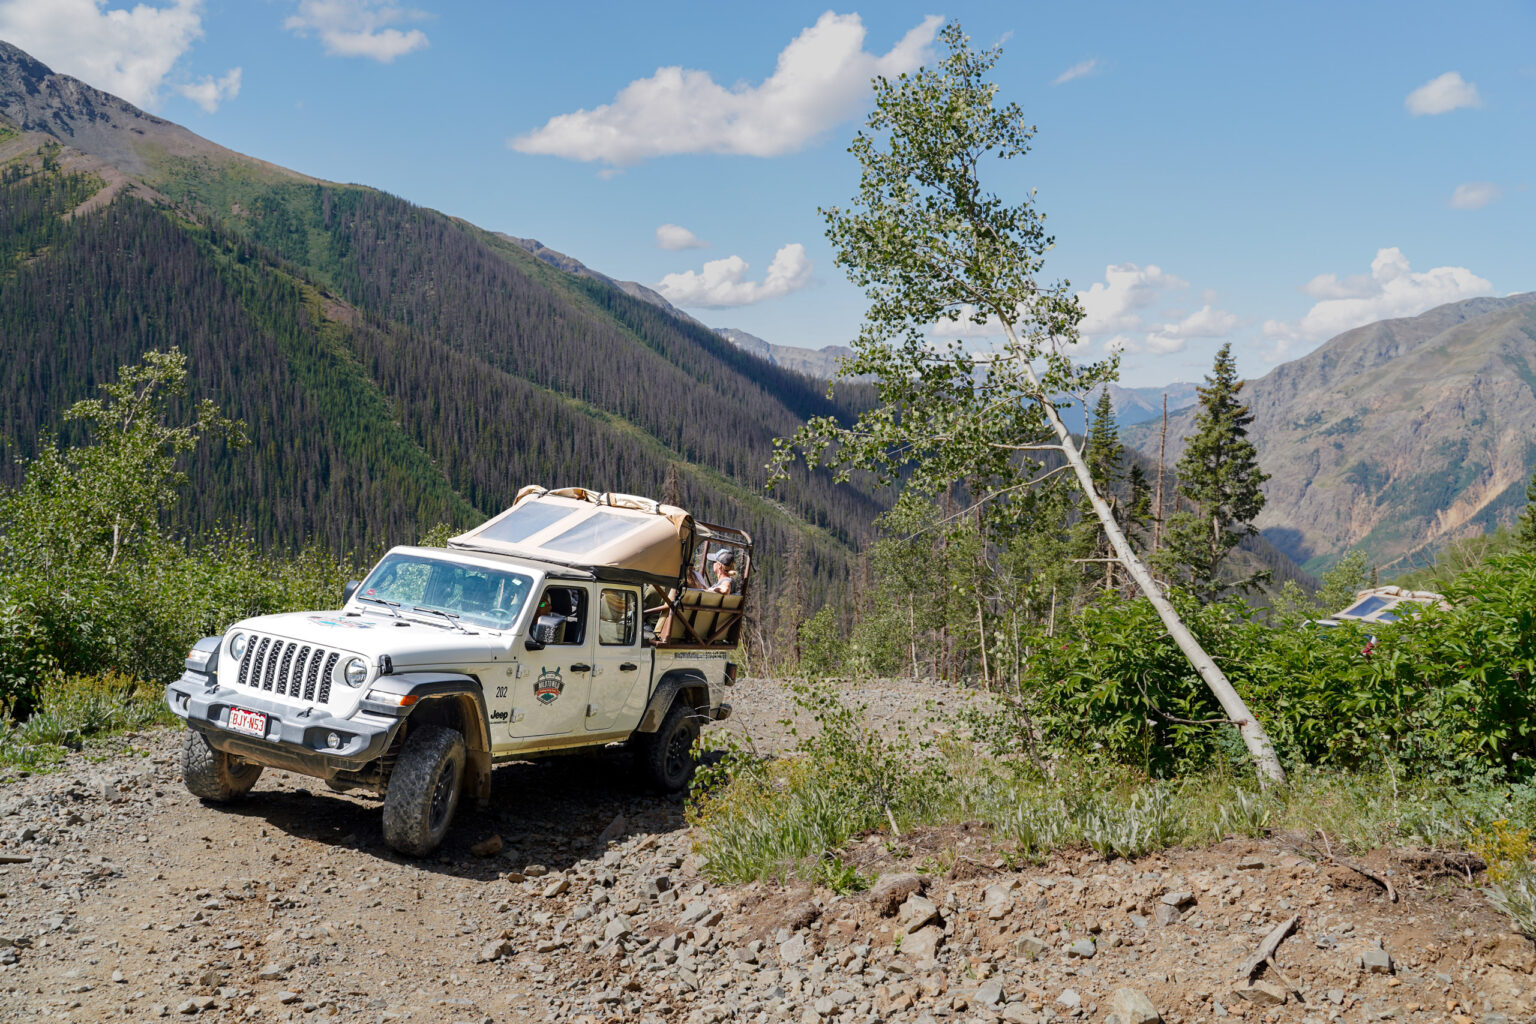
(350, 589)
(533, 645)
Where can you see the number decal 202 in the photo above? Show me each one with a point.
(501, 692)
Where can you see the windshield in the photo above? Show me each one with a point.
(482, 597)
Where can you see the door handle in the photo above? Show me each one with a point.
(581, 668)
(628, 666)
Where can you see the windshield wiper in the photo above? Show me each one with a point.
(452, 618)
(390, 606)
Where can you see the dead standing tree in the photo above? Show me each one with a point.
(930, 247)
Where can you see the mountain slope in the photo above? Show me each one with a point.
(1394, 437)
(821, 363)
(395, 366)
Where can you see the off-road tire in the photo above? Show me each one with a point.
(212, 774)
(666, 755)
(424, 790)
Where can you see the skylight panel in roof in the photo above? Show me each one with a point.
(1366, 607)
(595, 532)
(525, 521)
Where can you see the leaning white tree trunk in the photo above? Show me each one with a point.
(1254, 736)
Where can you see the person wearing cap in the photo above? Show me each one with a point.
(725, 572)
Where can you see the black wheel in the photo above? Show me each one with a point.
(423, 790)
(666, 755)
(213, 774)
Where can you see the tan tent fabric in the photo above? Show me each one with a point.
(575, 526)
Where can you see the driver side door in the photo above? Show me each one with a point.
(552, 685)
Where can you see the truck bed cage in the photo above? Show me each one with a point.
(695, 616)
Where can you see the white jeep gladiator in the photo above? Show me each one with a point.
(573, 620)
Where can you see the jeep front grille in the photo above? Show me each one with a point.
(287, 668)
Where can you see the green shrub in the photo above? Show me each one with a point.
(1511, 858)
(778, 818)
(1441, 694)
(77, 709)
(822, 646)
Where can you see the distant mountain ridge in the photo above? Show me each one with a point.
(1394, 437)
(822, 362)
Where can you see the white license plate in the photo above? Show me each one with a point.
(253, 722)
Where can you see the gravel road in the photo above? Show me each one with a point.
(577, 896)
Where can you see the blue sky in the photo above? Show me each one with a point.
(1262, 174)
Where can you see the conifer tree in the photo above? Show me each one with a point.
(1219, 474)
(1138, 508)
(1102, 452)
(1526, 526)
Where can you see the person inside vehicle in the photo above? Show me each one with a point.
(724, 567)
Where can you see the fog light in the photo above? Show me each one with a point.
(332, 740)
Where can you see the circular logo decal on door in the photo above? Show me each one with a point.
(548, 687)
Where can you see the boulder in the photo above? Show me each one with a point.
(917, 912)
(1133, 1007)
(923, 944)
(891, 891)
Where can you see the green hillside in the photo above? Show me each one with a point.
(395, 367)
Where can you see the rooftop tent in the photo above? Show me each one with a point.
(633, 538)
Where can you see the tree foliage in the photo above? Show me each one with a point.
(91, 580)
(933, 250)
(1219, 474)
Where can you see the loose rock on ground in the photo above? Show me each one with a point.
(124, 898)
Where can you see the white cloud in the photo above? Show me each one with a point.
(966, 328)
(358, 28)
(1125, 313)
(127, 52)
(1114, 305)
(1392, 289)
(209, 93)
(1331, 286)
(675, 236)
(821, 79)
(724, 282)
(1078, 70)
(1205, 322)
(1442, 95)
(1474, 195)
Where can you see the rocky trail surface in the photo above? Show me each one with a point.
(578, 897)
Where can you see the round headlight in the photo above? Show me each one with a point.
(355, 673)
(237, 646)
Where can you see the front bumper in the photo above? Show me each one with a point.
(296, 739)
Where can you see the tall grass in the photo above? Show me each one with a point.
(76, 710)
(773, 819)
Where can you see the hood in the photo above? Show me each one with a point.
(410, 641)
